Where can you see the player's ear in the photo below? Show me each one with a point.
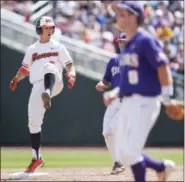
(53, 29)
(140, 21)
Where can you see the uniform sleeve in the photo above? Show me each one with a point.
(107, 76)
(154, 53)
(27, 61)
(64, 56)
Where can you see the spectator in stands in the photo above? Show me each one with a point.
(93, 22)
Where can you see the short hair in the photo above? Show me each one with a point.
(139, 20)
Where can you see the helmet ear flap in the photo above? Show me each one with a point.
(38, 28)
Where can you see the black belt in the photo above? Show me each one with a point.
(125, 95)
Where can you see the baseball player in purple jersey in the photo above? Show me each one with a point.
(112, 77)
(145, 82)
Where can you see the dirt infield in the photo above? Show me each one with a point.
(91, 174)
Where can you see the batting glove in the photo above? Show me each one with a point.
(71, 80)
(13, 83)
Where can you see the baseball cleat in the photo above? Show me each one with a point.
(35, 164)
(47, 100)
(117, 168)
(169, 167)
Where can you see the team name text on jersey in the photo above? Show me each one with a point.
(37, 56)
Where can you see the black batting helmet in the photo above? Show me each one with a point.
(44, 21)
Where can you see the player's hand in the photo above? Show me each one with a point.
(13, 83)
(71, 80)
(175, 110)
(100, 87)
(109, 96)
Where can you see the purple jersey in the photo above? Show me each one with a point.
(138, 65)
(112, 72)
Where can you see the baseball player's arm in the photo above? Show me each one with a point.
(23, 70)
(159, 60)
(71, 69)
(166, 81)
(104, 83)
(22, 73)
(67, 62)
(70, 75)
(109, 96)
(174, 108)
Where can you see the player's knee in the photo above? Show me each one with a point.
(34, 128)
(49, 68)
(129, 157)
(57, 89)
(104, 134)
(107, 133)
(35, 124)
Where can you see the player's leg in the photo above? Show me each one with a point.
(139, 124)
(109, 122)
(139, 118)
(36, 114)
(162, 168)
(117, 167)
(107, 133)
(52, 85)
(153, 164)
(51, 79)
(138, 164)
(130, 135)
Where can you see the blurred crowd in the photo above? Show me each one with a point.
(93, 22)
(20, 7)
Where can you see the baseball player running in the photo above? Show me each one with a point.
(112, 77)
(43, 62)
(145, 81)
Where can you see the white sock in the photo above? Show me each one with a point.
(48, 91)
(35, 155)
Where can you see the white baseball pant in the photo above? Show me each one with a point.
(36, 110)
(109, 127)
(137, 116)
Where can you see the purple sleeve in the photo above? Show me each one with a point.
(107, 76)
(154, 53)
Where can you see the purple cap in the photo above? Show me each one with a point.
(132, 6)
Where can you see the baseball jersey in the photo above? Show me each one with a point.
(112, 72)
(38, 54)
(139, 61)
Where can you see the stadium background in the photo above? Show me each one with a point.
(74, 148)
(76, 115)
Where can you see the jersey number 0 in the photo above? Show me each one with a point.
(133, 77)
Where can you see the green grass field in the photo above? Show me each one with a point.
(58, 158)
